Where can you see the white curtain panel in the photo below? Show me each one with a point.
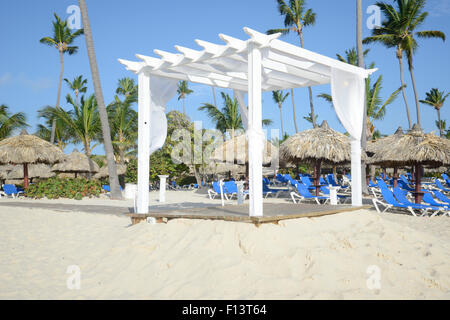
(161, 91)
(347, 90)
(243, 107)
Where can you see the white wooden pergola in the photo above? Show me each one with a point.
(260, 63)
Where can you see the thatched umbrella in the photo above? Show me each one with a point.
(39, 170)
(317, 146)
(417, 149)
(5, 170)
(103, 171)
(28, 149)
(378, 146)
(76, 163)
(236, 151)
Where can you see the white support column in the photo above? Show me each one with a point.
(255, 133)
(143, 143)
(162, 188)
(356, 173)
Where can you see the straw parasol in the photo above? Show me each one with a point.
(76, 163)
(317, 146)
(103, 171)
(28, 149)
(235, 151)
(417, 149)
(377, 146)
(39, 170)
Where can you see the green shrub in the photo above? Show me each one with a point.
(56, 188)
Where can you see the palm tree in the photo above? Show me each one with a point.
(311, 118)
(63, 134)
(296, 18)
(83, 121)
(376, 108)
(10, 122)
(123, 119)
(183, 91)
(279, 98)
(62, 39)
(112, 170)
(229, 117)
(398, 31)
(436, 99)
(78, 85)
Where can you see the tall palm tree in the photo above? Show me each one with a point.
(83, 121)
(436, 99)
(229, 117)
(398, 31)
(62, 39)
(10, 122)
(296, 18)
(123, 119)
(112, 170)
(78, 85)
(63, 135)
(183, 91)
(279, 97)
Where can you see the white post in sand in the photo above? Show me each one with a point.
(162, 188)
(254, 133)
(143, 143)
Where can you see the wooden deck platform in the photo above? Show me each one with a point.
(273, 213)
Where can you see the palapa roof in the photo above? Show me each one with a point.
(26, 148)
(414, 147)
(236, 151)
(373, 146)
(103, 171)
(76, 162)
(321, 143)
(34, 171)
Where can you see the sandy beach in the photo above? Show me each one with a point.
(354, 255)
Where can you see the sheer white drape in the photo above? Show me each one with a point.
(243, 107)
(347, 90)
(161, 91)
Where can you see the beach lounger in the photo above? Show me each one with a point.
(304, 194)
(325, 191)
(400, 195)
(440, 186)
(390, 203)
(269, 191)
(446, 179)
(212, 193)
(11, 190)
(441, 197)
(428, 198)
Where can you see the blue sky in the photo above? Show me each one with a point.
(29, 70)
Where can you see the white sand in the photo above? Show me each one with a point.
(320, 258)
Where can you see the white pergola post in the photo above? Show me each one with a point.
(162, 188)
(255, 133)
(143, 143)
(356, 173)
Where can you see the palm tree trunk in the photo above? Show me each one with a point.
(293, 111)
(281, 120)
(184, 109)
(311, 104)
(400, 60)
(416, 97)
(58, 97)
(441, 130)
(112, 170)
(214, 96)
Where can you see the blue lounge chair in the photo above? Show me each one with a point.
(440, 186)
(212, 193)
(392, 203)
(308, 183)
(400, 195)
(304, 194)
(441, 197)
(325, 191)
(428, 198)
(268, 191)
(107, 188)
(446, 179)
(404, 186)
(11, 190)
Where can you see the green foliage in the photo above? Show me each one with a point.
(62, 37)
(10, 122)
(131, 173)
(56, 188)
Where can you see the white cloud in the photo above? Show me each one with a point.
(5, 79)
